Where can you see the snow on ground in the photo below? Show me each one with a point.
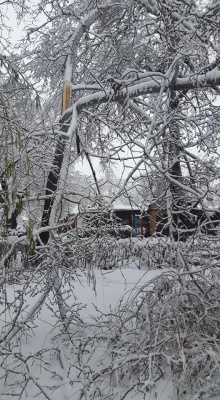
(110, 288)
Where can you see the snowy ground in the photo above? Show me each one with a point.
(43, 344)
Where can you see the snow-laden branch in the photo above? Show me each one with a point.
(142, 84)
(189, 25)
(192, 82)
(29, 315)
(85, 23)
(84, 86)
(199, 195)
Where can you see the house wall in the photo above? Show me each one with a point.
(127, 217)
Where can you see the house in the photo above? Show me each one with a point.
(144, 223)
(147, 222)
(131, 215)
(154, 219)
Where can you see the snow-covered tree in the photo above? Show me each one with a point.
(144, 77)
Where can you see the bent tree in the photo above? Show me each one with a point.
(144, 77)
(145, 82)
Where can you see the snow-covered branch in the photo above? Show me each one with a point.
(192, 82)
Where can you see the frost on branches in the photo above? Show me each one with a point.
(144, 77)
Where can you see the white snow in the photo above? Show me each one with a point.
(41, 344)
(119, 205)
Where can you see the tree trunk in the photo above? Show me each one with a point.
(177, 202)
(52, 180)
